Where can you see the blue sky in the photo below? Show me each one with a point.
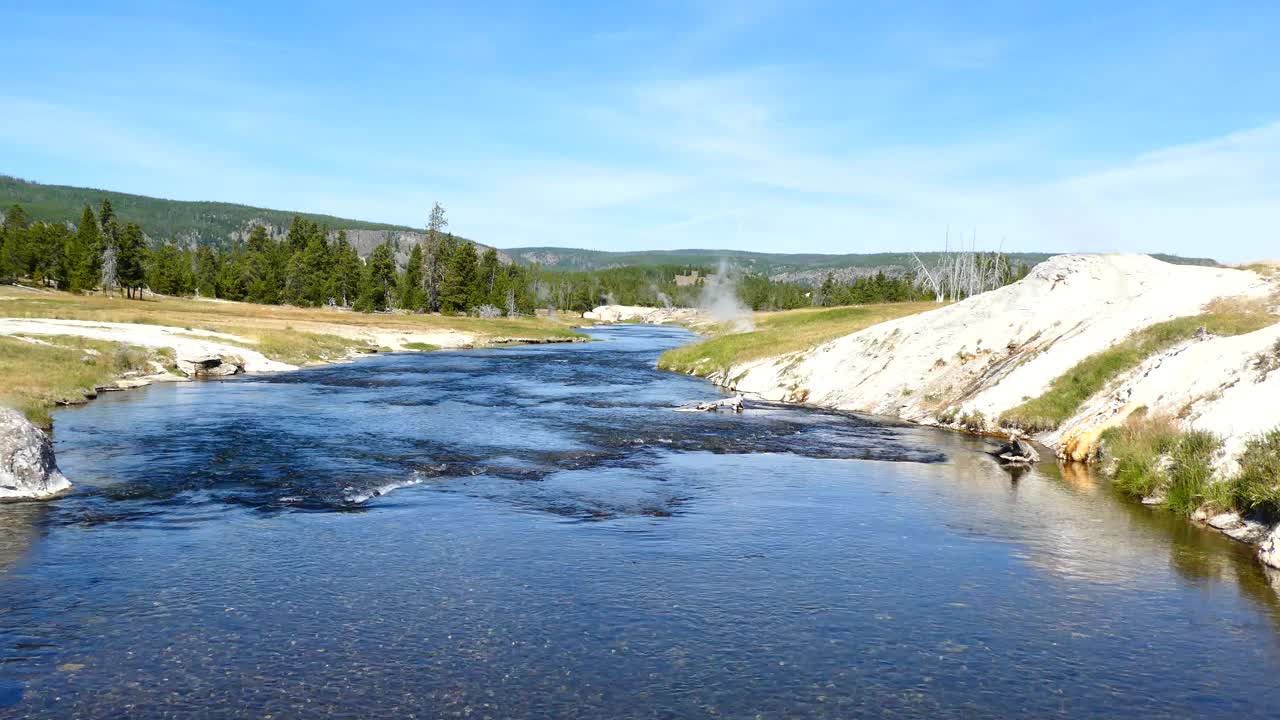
(757, 125)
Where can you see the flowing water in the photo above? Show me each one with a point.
(533, 532)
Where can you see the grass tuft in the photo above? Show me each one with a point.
(1152, 456)
(1257, 485)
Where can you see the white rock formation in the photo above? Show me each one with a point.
(989, 353)
(27, 467)
(639, 313)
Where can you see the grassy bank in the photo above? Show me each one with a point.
(1068, 392)
(780, 333)
(1155, 460)
(35, 376)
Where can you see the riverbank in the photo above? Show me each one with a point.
(1080, 346)
(60, 348)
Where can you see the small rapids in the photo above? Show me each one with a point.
(337, 438)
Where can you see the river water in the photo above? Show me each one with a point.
(533, 532)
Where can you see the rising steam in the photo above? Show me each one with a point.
(720, 300)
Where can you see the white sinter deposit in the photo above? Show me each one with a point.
(193, 348)
(985, 355)
(641, 314)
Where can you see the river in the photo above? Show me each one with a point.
(533, 532)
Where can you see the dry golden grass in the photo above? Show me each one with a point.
(1265, 268)
(217, 315)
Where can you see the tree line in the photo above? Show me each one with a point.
(308, 267)
(312, 266)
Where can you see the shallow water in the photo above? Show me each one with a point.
(533, 532)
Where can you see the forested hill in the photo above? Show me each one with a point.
(782, 266)
(197, 222)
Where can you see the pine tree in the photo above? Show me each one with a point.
(458, 289)
(14, 240)
(381, 278)
(106, 215)
(411, 295)
(131, 260)
(826, 293)
(231, 273)
(208, 267)
(299, 232)
(82, 253)
(489, 278)
(264, 267)
(169, 271)
(46, 254)
(312, 271)
(348, 271)
(436, 256)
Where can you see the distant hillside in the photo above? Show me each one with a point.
(205, 223)
(215, 223)
(805, 267)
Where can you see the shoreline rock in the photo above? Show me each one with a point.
(28, 470)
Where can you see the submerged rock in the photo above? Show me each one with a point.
(1017, 452)
(27, 467)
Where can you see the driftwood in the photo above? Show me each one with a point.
(733, 404)
(1017, 452)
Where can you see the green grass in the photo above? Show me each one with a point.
(421, 347)
(781, 333)
(35, 377)
(1190, 470)
(1152, 455)
(1136, 448)
(1068, 392)
(1257, 485)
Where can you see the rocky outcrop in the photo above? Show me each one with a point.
(209, 365)
(27, 468)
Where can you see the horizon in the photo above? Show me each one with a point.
(828, 130)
